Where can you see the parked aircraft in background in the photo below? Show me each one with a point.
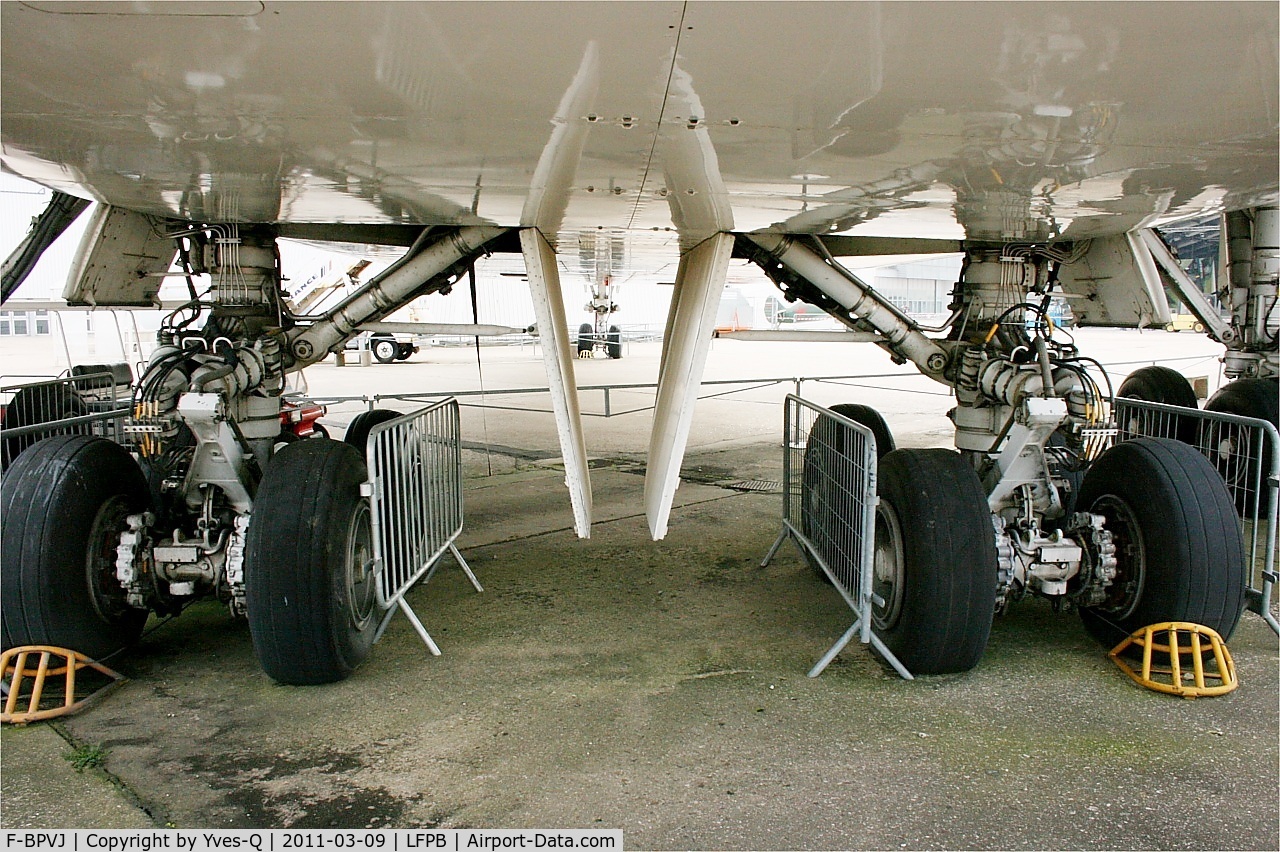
(1047, 142)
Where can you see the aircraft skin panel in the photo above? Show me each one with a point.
(1116, 283)
(553, 331)
(544, 207)
(1003, 121)
(684, 355)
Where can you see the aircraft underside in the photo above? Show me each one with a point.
(1029, 195)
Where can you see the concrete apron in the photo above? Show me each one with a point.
(660, 688)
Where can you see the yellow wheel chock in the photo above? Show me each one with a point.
(38, 663)
(1180, 665)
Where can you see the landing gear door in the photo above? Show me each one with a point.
(121, 261)
(548, 306)
(1116, 283)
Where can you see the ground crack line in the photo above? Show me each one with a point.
(121, 786)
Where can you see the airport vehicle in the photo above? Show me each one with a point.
(1185, 322)
(1046, 142)
(384, 347)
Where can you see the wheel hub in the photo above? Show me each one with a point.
(108, 597)
(887, 579)
(1125, 591)
(361, 578)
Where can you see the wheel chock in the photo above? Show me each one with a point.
(26, 671)
(1175, 664)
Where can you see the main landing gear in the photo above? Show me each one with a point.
(1146, 532)
(207, 497)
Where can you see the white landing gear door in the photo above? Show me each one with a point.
(553, 330)
(690, 325)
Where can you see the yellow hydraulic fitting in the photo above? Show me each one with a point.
(1184, 673)
(39, 663)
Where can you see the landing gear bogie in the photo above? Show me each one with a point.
(591, 338)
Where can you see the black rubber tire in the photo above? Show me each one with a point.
(64, 502)
(867, 416)
(826, 446)
(1167, 387)
(614, 342)
(404, 351)
(823, 508)
(358, 429)
(384, 349)
(288, 436)
(1159, 384)
(309, 578)
(30, 406)
(1258, 398)
(586, 338)
(938, 618)
(1178, 545)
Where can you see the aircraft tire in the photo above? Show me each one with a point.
(65, 502)
(1234, 458)
(362, 424)
(935, 562)
(1166, 386)
(869, 417)
(30, 406)
(286, 436)
(385, 349)
(1178, 546)
(818, 519)
(615, 342)
(586, 341)
(310, 586)
(825, 446)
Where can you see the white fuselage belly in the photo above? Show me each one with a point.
(993, 121)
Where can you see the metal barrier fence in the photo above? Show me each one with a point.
(1246, 453)
(717, 388)
(415, 503)
(828, 510)
(84, 403)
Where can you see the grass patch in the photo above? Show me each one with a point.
(87, 757)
